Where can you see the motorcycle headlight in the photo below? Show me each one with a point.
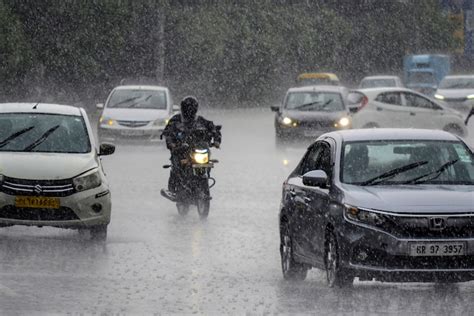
(105, 121)
(201, 156)
(88, 181)
(363, 216)
(439, 96)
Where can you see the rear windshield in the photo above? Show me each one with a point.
(315, 101)
(49, 133)
(138, 99)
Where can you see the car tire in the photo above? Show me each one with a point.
(335, 276)
(291, 269)
(454, 129)
(98, 233)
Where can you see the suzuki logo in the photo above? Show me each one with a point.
(437, 223)
(38, 189)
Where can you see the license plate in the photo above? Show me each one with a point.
(132, 133)
(312, 133)
(438, 249)
(36, 202)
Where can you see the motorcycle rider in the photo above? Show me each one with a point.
(173, 133)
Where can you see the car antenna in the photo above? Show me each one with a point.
(36, 105)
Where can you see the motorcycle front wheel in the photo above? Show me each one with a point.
(183, 208)
(203, 206)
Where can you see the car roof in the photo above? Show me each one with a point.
(328, 88)
(44, 108)
(318, 75)
(380, 77)
(459, 77)
(371, 134)
(141, 87)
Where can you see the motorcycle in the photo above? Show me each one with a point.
(194, 176)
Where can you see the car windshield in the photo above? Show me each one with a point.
(421, 77)
(407, 162)
(139, 99)
(49, 133)
(315, 101)
(375, 83)
(457, 83)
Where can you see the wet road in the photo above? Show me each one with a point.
(157, 262)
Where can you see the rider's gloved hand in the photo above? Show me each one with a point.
(217, 144)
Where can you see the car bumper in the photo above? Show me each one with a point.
(113, 134)
(79, 210)
(370, 253)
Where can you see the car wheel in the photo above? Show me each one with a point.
(291, 269)
(454, 129)
(335, 276)
(98, 233)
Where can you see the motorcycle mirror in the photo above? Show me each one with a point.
(218, 127)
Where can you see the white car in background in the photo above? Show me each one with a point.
(135, 112)
(457, 92)
(380, 82)
(405, 108)
(50, 169)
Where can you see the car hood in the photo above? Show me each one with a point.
(412, 198)
(135, 114)
(311, 116)
(455, 93)
(45, 166)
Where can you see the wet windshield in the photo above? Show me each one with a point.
(143, 99)
(407, 162)
(457, 83)
(315, 101)
(22, 132)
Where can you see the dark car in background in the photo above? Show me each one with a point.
(308, 112)
(389, 204)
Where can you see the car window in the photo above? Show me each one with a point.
(413, 100)
(393, 98)
(43, 133)
(317, 157)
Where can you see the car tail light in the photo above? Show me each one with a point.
(363, 103)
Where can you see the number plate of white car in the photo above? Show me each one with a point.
(438, 249)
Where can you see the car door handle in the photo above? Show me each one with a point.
(412, 113)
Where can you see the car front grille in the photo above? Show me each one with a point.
(58, 188)
(38, 214)
(453, 226)
(317, 125)
(133, 124)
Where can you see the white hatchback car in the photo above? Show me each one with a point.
(135, 112)
(405, 108)
(50, 169)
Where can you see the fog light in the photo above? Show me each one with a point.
(362, 256)
(97, 207)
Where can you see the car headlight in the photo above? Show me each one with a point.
(343, 122)
(470, 97)
(439, 96)
(363, 216)
(105, 121)
(160, 122)
(201, 156)
(86, 182)
(288, 121)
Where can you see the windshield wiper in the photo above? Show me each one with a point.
(125, 101)
(392, 173)
(302, 106)
(134, 104)
(40, 140)
(7, 140)
(436, 173)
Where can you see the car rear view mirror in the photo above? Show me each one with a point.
(100, 105)
(275, 108)
(106, 149)
(315, 178)
(353, 108)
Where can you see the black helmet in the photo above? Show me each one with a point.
(189, 108)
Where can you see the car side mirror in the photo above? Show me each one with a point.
(106, 149)
(471, 113)
(176, 108)
(275, 108)
(353, 108)
(100, 105)
(315, 178)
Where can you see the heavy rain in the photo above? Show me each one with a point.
(122, 60)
